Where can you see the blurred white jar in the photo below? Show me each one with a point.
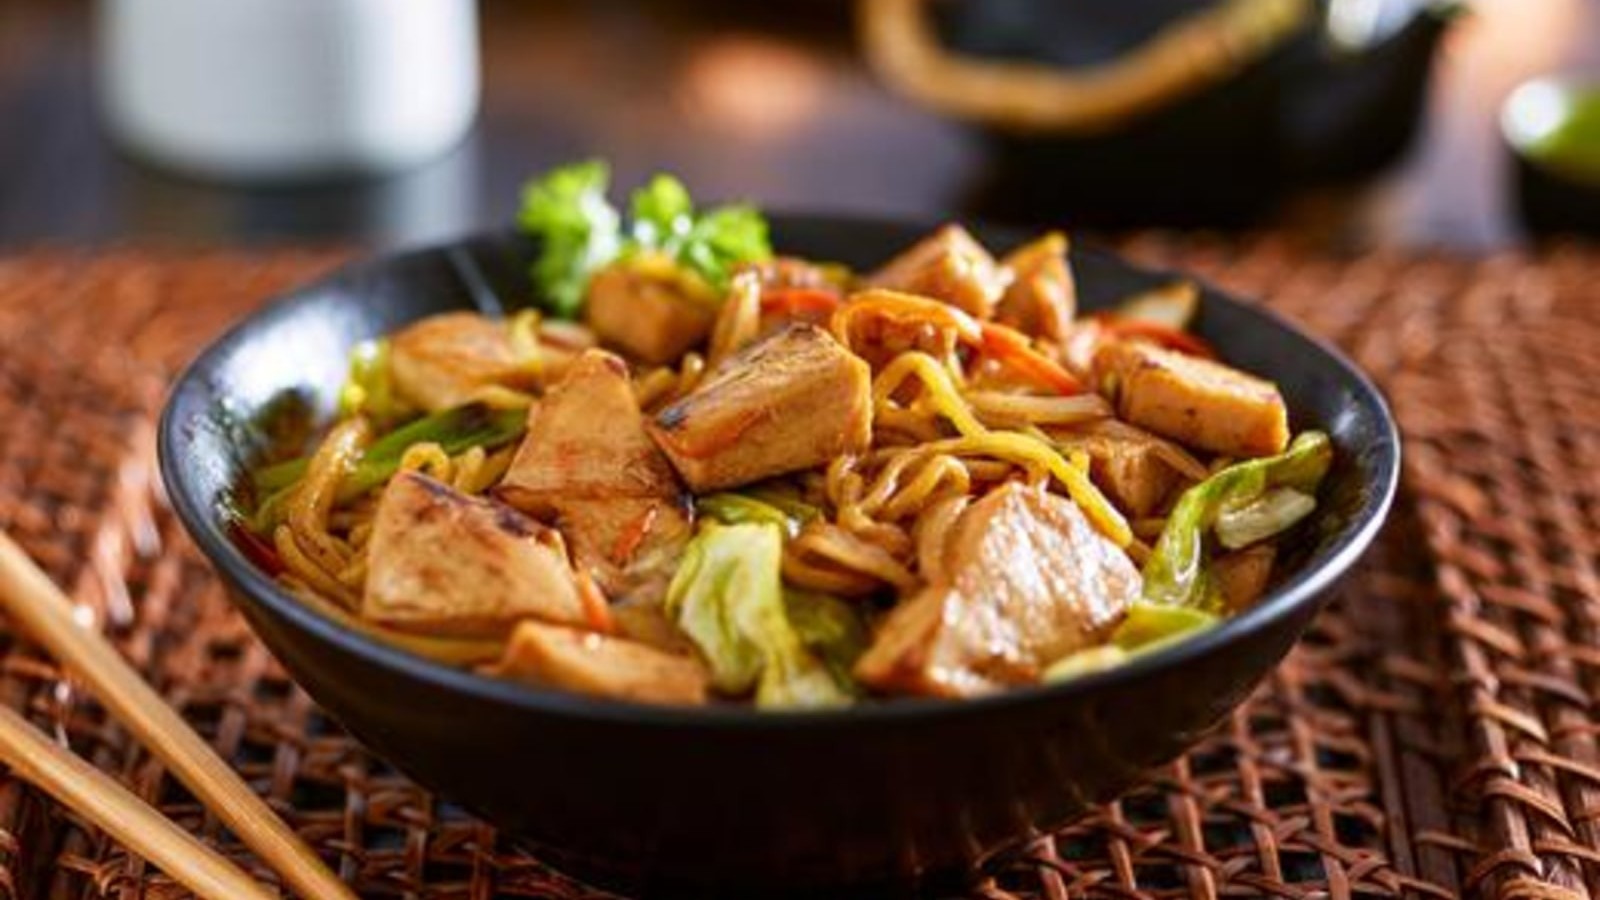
(288, 89)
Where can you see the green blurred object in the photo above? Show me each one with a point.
(1557, 125)
(1552, 126)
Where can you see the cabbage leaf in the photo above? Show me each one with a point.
(729, 508)
(832, 629)
(1177, 571)
(1146, 628)
(578, 228)
(727, 596)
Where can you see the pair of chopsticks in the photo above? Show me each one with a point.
(41, 610)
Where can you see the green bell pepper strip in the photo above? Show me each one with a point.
(454, 430)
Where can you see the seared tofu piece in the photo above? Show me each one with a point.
(949, 265)
(588, 466)
(602, 666)
(1079, 346)
(794, 400)
(630, 545)
(1242, 575)
(442, 563)
(1129, 464)
(644, 308)
(586, 439)
(1194, 401)
(1042, 297)
(1028, 580)
(561, 343)
(648, 623)
(443, 361)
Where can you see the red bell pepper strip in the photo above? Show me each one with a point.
(1011, 347)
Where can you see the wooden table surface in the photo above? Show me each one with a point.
(687, 87)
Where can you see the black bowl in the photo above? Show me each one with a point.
(726, 800)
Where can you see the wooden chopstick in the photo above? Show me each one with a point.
(45, 613)
(101, 800)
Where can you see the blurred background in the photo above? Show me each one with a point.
(1351, 123)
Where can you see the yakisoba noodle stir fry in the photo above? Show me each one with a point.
(703, 472)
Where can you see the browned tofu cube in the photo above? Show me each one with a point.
(1242, 575)
(1194, 401)
(601, 666)
(794, 400)
(443, 563)
(1042, 297)
(588, 466)
(1027, 580)
(442, 361)
(949, 265)
(649, 624)
(644, 309)
(1129, 464)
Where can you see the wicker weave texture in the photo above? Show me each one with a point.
(1433, 735)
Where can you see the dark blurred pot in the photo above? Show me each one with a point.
(1283, 111)
(1550, 203)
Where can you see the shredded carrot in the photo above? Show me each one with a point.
(789, 302)
(1011, 348)
(596, 609)
(1156, 333)
(629, 540)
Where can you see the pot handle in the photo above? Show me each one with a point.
(1194, 52)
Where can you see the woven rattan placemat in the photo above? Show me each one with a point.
(1433, 736)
